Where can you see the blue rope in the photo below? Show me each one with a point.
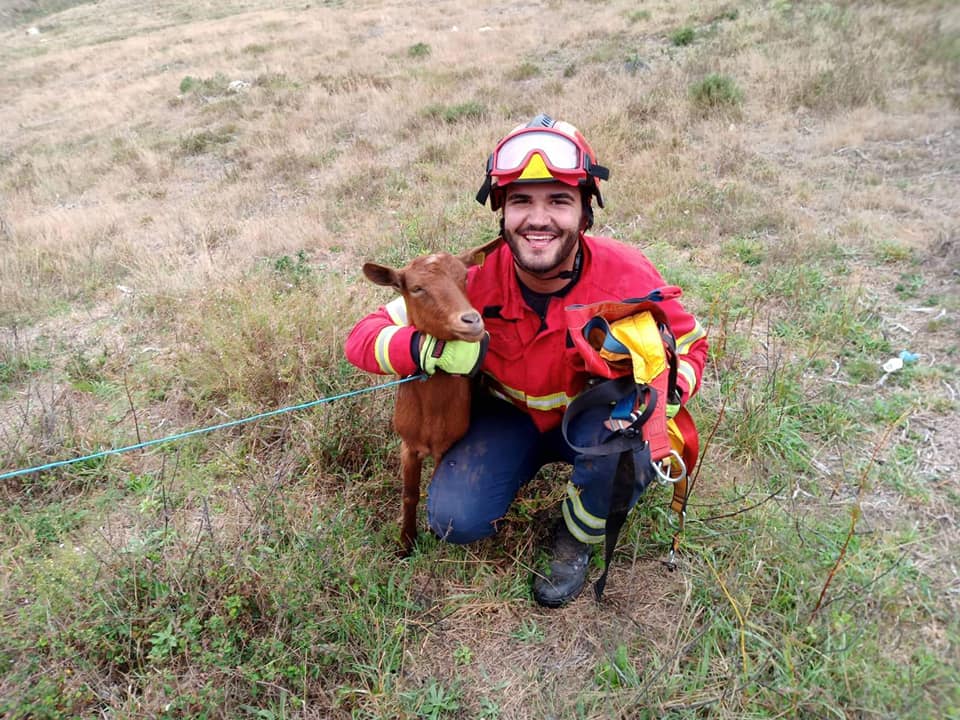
(200, 431)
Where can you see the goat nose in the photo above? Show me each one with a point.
(471, 318)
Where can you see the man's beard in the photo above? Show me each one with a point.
(540, 264)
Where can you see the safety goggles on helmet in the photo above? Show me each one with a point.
(541, 151)
(538, 154)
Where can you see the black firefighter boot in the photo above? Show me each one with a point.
(569, 559)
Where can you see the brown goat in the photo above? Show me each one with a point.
(432, 414)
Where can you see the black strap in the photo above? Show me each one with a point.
(670, 348)
(620, 496)
(484, 192)
(606, 394)
(626, 442)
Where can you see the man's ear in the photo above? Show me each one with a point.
(586, 210)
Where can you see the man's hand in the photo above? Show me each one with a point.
(456, 357)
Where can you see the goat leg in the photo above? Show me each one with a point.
(411, 463)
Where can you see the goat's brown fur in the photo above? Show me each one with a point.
(433, 414)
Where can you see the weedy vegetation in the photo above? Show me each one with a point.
(187, 193)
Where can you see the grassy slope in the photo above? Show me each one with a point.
(174, 252)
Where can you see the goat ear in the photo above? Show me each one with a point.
(478, 254)
(382, 275)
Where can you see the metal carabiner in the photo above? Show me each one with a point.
(668, 463)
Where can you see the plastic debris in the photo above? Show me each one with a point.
(908, 357)
(892, 365)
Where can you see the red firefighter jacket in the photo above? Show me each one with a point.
(531, 361)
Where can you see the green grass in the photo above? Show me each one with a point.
(716, 93)
(452, 114)
(683, 36)
(198, 603)
(419, 50)
(215, 85)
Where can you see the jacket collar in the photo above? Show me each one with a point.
(514, 307)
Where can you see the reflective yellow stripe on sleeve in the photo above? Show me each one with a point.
(685, 341)
(397, 310)
(686, 369)
(382, 349)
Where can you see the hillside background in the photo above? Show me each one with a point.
(187, 193)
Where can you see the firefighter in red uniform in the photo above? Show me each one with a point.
(543, 177)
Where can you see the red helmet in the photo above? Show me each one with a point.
(542, 150)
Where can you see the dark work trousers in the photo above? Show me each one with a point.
(480, 476)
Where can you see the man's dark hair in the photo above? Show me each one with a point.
(586, 198)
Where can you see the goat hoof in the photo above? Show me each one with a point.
(406, 548)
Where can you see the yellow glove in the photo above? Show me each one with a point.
(456, 357)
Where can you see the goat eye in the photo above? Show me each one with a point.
(416, 290)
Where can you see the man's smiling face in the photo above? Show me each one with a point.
(542, 224)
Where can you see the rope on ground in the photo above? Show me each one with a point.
(201, 431)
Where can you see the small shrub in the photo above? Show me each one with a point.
(729, 14)
(293, 270)
(216, 85)
(638, 16)
(418, 50)
(748, 250)
(204, 141)
(635, 63)
(716, 92)
(16, 367)
(891, 251)
(683, 36)
(616, 670)
(525, 71)
(451, 114)
(909, 285)
(862, 370)
(275, 81)
(463, 655)
(528, 632)
(434, 701)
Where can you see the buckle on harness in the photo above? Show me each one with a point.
(665, 467)
(631, 411)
